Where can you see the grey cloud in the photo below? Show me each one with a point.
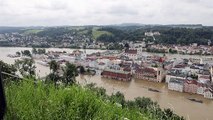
(79, 12)
(122, 10)
(52, 5)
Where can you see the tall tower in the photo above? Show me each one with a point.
(160, 74)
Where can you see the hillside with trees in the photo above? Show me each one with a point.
(77, 37)
(183, 36)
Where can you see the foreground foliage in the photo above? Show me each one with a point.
(11, 69)
(143, 105)
(38, 101)
(27, 100)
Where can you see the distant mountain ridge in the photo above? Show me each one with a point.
(169, 25)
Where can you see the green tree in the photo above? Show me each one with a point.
(34, 51)
(126, 45)
(172, 51)
(70, 73)
(18, 53)
(168, 113)
(82, 70)
(26, 53)
(26, 67)
(118, 97)
(7, 68)
(41, 51)
(144, 103)
(54, 75)
(54, 66)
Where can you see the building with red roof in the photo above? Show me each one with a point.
(116, 74)
(150, 74)
(133, 53)
(190, 86)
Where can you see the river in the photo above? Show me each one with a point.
(176, 101)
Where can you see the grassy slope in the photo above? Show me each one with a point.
(30, 102)
(96, 33)
(83, 32)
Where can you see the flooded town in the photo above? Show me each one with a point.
(106, 60)
(175, 81)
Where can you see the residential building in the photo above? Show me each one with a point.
(150, 74)
(133, 53)
(208, 60)
(116, 74)
(190, 86)
(201, 87)
(173, 73)
(208, 93)
(176, 84)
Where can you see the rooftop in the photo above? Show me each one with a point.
(177, 81)
(177, 73)
(131, 51)
(191, 81)
(146, 70)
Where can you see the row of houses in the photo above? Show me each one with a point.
(191, 86)
(193, 49)
(144, 73)
(194, 78)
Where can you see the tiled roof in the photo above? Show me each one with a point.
(203, 83)
(127, 69)
(177, 73)
(180, 66)
(204, 77)
(145, 70)
(191, 82)
(101, 63)
(109, 57)
(129, 51)
(176, 80)
(209, 89)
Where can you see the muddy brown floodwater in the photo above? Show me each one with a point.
(176, 101)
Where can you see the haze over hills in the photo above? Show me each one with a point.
(4, 29)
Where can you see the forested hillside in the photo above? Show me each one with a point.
(175, 34)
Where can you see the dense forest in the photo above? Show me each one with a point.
(183, 36)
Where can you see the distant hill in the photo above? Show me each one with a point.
(96, 33)
(184, 34)
(10, 29)
(186, 26)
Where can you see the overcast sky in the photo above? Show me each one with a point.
(102, 12)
